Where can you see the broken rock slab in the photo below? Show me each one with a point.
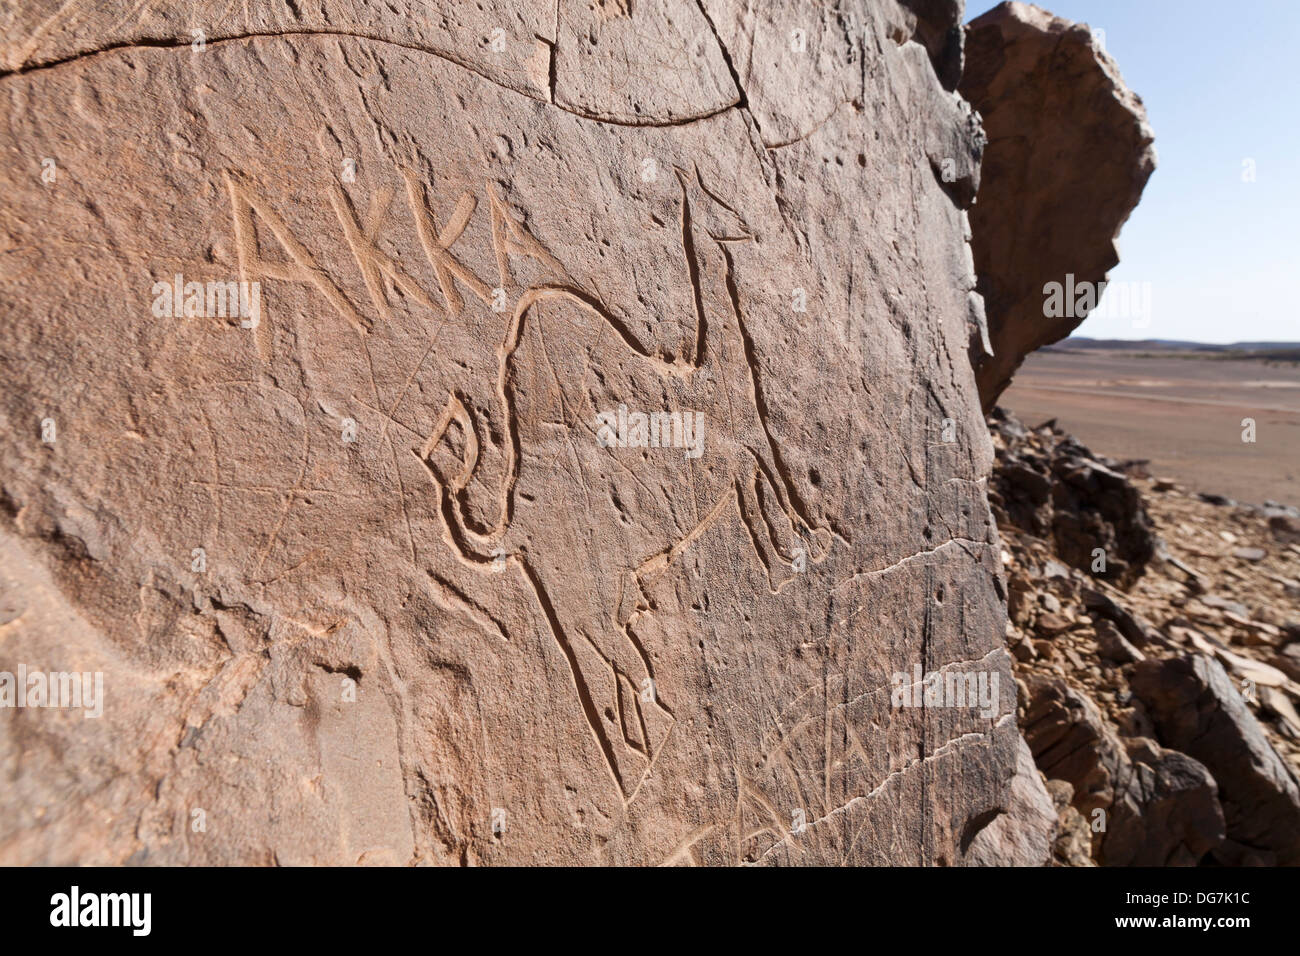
(1166, 813)
(1146, 806)
(1069, 152)
(1024, 833)
(1197, 710)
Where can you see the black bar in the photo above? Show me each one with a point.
(299, 907)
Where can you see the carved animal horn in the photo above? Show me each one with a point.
(455, 411)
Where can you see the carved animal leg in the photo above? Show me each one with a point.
(815, 541)
(617, 698)
(759, 530)
(632, 600)
(793, 538)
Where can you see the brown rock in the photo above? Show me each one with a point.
(1098, 514)
(1112, 645)
(1076, 661)
(1131, 626)
(1073, 845)
(938, 29)
(1068, 142)
(1167, 812)
(1224, 604)
(1285, 528)
(1278, 706)
(1024, 833)
(1255, 632)
(1020, 599)
(1197, 710)
(1151, 806)
(367, 579)
(1069, 742)
(1052, 624)
(1023, 649)
(1288, 661)
(1048, 485)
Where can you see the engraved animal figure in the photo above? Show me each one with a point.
(612, 673)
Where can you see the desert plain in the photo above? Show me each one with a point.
(1182, 410)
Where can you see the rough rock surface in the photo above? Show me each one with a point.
(1025, 832)
(1196, 708)
(1069, 742)
(1154, 807)
(1166, 811)
(1069, 152)
(1123, 709)
(1054, 487)
(367, 581)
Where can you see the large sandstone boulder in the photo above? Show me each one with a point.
(383, 566)
(1069, 152)
(1167, 811)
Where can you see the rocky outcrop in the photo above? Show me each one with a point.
(1069, 152)
(1152, 753)
(1197, 709)
(1146, 806)
(1048, 485)
(518, 434)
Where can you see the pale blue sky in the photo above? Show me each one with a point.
(1221, 83)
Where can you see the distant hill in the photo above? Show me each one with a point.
(1153, 345)
(1286, 351)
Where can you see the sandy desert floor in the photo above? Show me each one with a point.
(1184, 414)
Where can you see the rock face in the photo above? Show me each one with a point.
(594, 449)
(1069, 152)
(1023, 834)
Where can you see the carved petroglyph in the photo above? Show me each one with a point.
(509, 237)
(303, 268)
(450, 599)
(816, 756)
(373, 263)
(437, 243)
(613, 676)
(579, 635)
(755, 473)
